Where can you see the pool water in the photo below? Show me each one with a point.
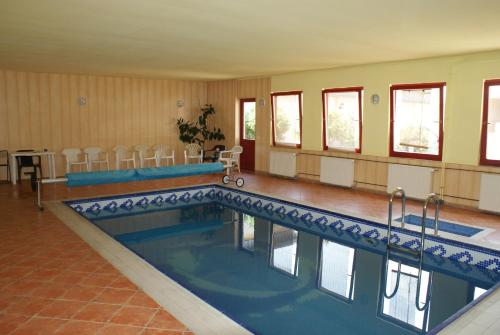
(274, 277)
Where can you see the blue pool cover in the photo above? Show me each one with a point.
(446, 226)
(120, 176)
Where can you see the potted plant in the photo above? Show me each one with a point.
(198, 131)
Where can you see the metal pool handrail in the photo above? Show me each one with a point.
(432, 197)
(396, 191)
(39, 183)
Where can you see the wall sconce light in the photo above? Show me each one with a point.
(82, 101)
(375, 99)
(180, 103)
(262, 102)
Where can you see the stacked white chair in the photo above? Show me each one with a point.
(146, 155)
(193, 151)
(73, 156)
(231, 158)
(96, 155)
(164, 154)
(124, 155)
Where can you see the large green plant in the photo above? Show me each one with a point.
(198, 131)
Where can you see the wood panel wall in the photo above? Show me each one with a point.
(225, 96)
(41, 110)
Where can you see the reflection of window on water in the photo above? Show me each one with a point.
(284, 249)
(478, 292)
(402, 306)
(337, 269)
(248, 232)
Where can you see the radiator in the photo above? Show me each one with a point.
(489, 195)
(283, 163)
(416, 181)
(337, 171)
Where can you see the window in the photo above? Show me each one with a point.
(490, 133)
(342, 118)
(283, 253)
(248, 119)
(287, 118)
(417, 121)
(336, 272)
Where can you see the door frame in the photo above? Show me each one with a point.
(242, 123)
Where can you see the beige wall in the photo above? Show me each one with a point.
(464, 76)
(40, 110)
(457, 179)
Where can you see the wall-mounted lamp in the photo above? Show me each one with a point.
(82, 101)
(262, 102)
(180, 103)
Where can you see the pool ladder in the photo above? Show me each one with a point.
(431, 198)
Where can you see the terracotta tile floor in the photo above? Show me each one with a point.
(52, 282)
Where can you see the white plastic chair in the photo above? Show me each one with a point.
(73, 158)
(123, 155)
(193, 151)
(164, 153)
(96, 155)
(145, 155)
(231, 158)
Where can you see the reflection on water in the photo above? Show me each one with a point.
(402, 281)
(280, 278)
(284, 249)
(336, 273)
(247, 237)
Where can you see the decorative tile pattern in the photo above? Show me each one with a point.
(298, 214)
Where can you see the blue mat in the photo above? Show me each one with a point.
(120, 176)
(446, 226)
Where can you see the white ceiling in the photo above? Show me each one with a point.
(216, 39)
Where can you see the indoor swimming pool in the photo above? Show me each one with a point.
(277, 267)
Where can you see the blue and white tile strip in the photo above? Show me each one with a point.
(454, 250)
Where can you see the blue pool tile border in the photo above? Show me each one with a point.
(455, 250)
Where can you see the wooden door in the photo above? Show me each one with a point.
(247, 133)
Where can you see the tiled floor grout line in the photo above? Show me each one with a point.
(152, 318)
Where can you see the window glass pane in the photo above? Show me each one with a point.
(249, 120)
(284, 249)
(416, 121)
(337, 265)
(493, 132)
(342, 123)
(287, 119)
(402, 305)
(248, 232)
